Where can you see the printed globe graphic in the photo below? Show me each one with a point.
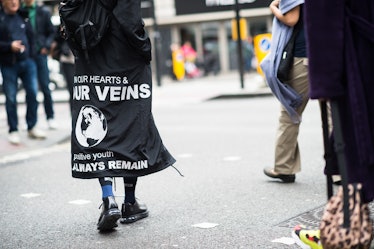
(91, 126)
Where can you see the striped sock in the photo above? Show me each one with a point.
(106, 186)
(130, 184)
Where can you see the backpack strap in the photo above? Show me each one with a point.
(339, 149)
(84, 42)
(326, 145)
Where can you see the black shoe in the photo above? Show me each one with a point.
(109, 214)
(133, 212)
(285, 178)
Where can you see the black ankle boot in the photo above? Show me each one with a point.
(133, 212)
(285, 178)
(109, 214)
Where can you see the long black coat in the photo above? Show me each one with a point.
(114, 133)
(341, 54)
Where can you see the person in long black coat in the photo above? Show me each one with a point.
(341, 54)
(114, 134)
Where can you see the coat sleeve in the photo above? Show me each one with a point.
(30, 37)
(5, 45)
(324, 22)
(128, 14)
(50, 29)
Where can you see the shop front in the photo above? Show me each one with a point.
(208, 26)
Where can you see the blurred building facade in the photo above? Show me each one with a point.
(206, 23)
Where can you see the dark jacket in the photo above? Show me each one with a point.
(127, 46)
(341, 54)
(45, 29)
(128, 14)
(7, 57)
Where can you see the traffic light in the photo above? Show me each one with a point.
(243, 29)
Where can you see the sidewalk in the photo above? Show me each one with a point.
(222, 86)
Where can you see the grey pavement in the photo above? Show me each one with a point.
(224, 200)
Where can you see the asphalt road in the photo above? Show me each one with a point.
(223, 200)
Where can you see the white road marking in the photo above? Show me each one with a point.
(205, 225)
(30, 195)
(80, 202)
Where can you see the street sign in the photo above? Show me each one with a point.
(261, 44)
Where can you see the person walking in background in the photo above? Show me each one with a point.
(61, 52)
(44, 33)
(248, 53)
(16, 52)
(287, 156)
(211, 59)
(113, 129)
(177, 62)
(190, 58)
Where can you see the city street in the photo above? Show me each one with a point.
(224, 200)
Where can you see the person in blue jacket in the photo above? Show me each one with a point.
(16, 61)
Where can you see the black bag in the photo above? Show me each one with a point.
(61, 48)
(286, 61)
(56, 52)
(83, 23)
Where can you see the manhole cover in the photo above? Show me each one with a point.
(312, 218)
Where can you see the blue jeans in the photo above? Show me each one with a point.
(43, 78)
(26, 71)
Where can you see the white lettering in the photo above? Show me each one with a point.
(132, 92)
(118, 93)
(88, 167)
(145, 91)
(81, 92)
(102, 94)
(81, 79)
(128, 165)
(81, 156)
(100, 155)
(115, 93)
